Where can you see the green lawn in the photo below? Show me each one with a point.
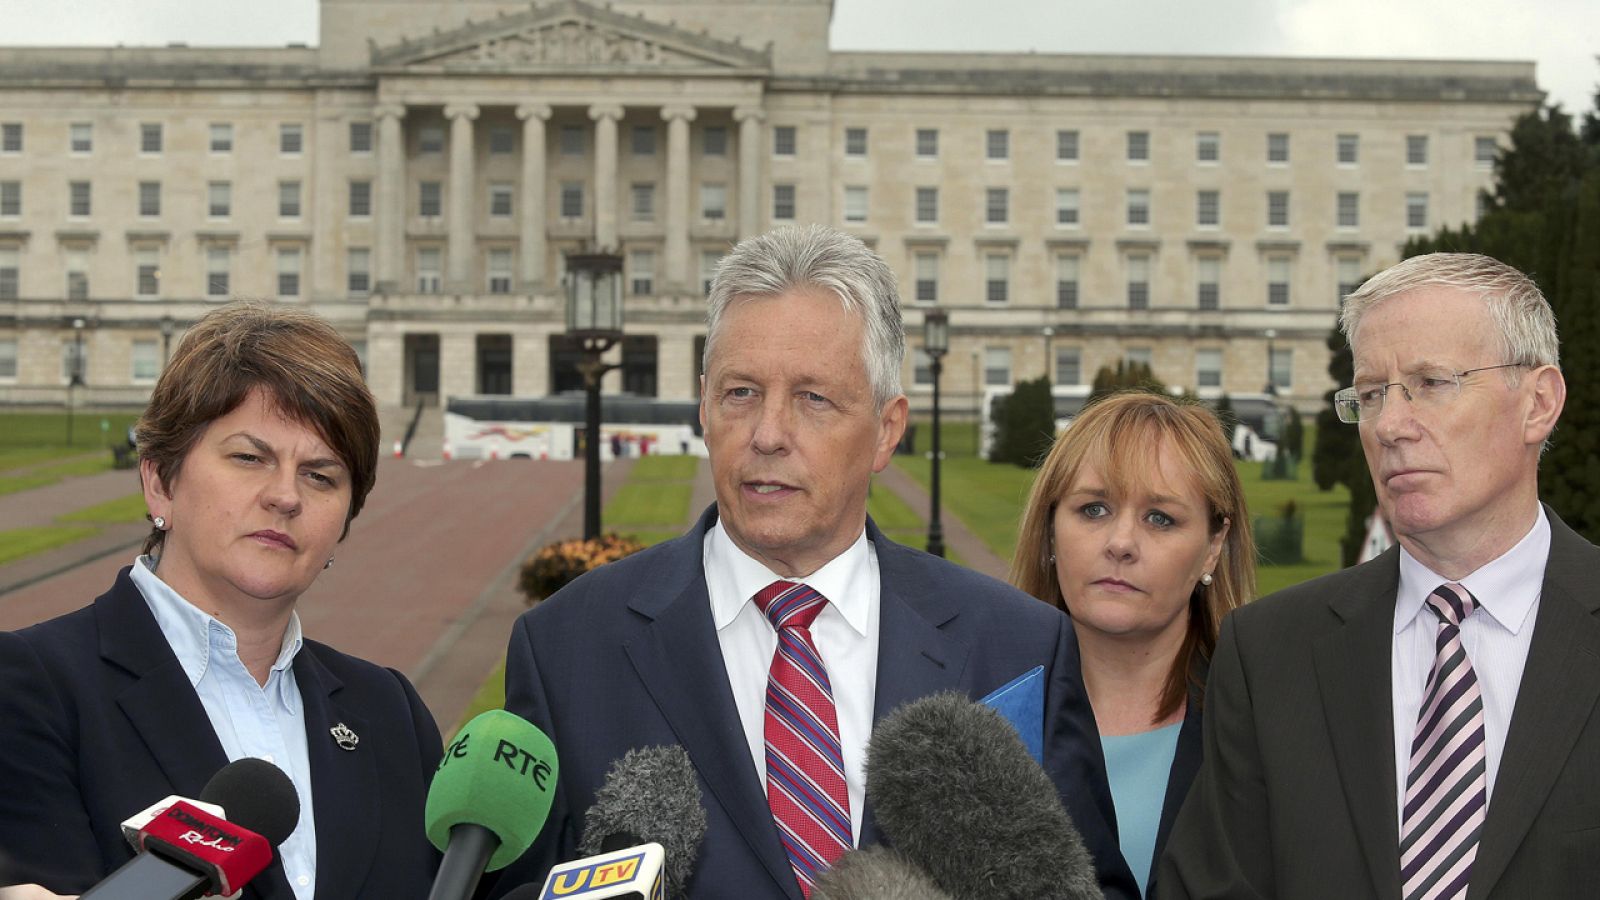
(19, 542)
(986, 497)
(48, 430)
(123, 509)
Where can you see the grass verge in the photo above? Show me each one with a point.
(21, 542)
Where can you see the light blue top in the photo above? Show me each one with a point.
(1138, 766)
(265, 721)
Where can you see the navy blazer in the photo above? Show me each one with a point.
(627, 656)
(98, 721)
(1185, 763)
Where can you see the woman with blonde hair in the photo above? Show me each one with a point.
(1136, 526)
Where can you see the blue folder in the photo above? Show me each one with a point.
(1021, 702)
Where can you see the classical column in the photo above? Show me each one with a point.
(605, 175)
(749, 119)
(391, 232)
(532, 219)
(677, 249)
(461, 229)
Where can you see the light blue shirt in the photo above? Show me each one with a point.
(263, 721)
(1138, 766)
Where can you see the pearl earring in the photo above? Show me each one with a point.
(160, 523)
(328, 564)
(1206, 579)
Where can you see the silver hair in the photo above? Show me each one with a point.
(1525, 327)
(797, 257)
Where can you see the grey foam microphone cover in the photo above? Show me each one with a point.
(875, 873)
(651, 794)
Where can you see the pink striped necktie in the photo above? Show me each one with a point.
(1447, 789)
(805, 766)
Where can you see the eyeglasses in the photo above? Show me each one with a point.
(1429, 387)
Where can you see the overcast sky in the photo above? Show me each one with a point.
(1562, 36)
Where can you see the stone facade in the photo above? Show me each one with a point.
(419, 177)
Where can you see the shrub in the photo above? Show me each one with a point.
(557, 565)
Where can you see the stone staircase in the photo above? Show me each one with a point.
(426, 443)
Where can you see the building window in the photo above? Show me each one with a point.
(360, 199)
(1138, 146)
(1278, 148)
(927, 143)
(783, 202)
(1282, 367)
(997, 366)
(642, 272)
(360, 137)
(1483, 152)
(288, 271)
(80, 137)
(221, 137)
(996, 277)
(10, 137)
(1069, 365)
(713, 201)
(288, 199)
(1277, 209)
(925, 267)
(1208, 208)
(714, 141)
(1067, 275)
(573, 140)
(1348, 271)
(149, 199)
(145, 362)
(927, 212)
(855, 203)
(1349, 213)
(1278, 281)
(429, 198)
(1067, 206)
(1208, 282)
(77, 274)
(429, 265)
(74, 361)
(1347, 149)
(291, 138)
(1417, 210)
(1480, 205)
(502, 140)
(708, 268)
(11, 199)
(80, 199)
(500, 200)
(997, 144)
(499, 266)
(1416, 149)
(10, 273)
(1138, 207)
(571, 199)
(1138, 356)
(430, 140)
(855, 142)
(996, 205)
(1208, 368)
(1139, 281)
(146, 273)
(219, 199)
(921, 368)
(150, 137)
(358, 271)
(1067, 145)
(644, 201)
(643, 140)
(217, 270)
(783, 140)
(1207, 147)
(8, 358)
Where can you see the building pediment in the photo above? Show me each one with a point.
(571, 36)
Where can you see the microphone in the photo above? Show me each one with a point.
(874, 873)
(958, 794)
(185, 850)
(489, 799)
(641, 836)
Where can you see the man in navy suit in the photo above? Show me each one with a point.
(801, 404)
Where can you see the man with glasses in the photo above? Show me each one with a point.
(1425, 722)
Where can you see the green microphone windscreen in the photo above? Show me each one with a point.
(500, 772)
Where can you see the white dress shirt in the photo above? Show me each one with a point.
(845, 632)
(1495, 637)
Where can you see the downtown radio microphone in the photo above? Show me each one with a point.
(489, 799)
(186, 850)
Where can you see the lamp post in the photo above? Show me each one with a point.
(167, 328)
(75, 377)
(1049, 333)
(594, 320)
(935, 343)
(1272, 381)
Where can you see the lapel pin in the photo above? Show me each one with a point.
(344, 737)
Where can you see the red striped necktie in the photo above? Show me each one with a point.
(805, 766)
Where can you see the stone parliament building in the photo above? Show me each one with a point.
(419, 176)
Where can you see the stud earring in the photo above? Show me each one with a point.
(328, 564)
(160, 523)
(1206, 579)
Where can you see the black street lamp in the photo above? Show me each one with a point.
(935, 343)
(594, 320)
(75, 377)
(1272, 381)
(167, 328)
(1049, 333)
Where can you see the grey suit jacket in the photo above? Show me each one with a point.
(1296, 796)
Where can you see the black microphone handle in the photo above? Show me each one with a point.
(149, 877)
(620, 840)
(469, 850)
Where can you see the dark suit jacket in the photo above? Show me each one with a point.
(627, 657)
(1185, 763)
(98, 721)
(1296, 797)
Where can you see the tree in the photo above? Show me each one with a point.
(1228, 418)
(1294, 434)
(1025, 424)
(1126, 376)
(1336, 458)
